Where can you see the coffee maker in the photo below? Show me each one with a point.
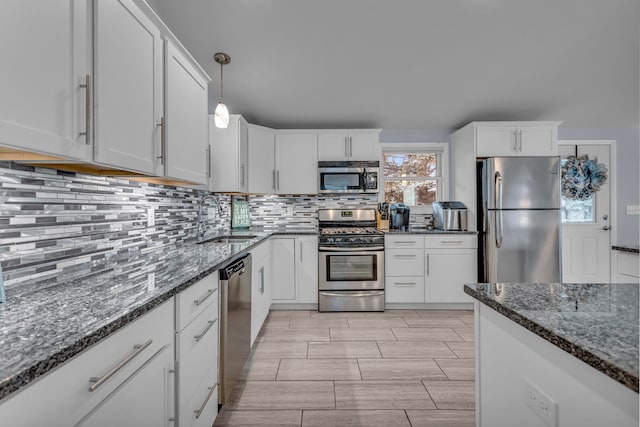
(399, 216)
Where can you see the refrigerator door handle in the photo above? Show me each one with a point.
(498, 229)
(498, 194)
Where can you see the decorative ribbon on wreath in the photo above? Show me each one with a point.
(582, 177)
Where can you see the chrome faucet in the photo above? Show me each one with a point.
(202, 228)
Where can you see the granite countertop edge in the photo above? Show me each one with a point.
(17, 380)
(626, 378)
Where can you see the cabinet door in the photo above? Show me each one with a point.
(296, 163)
(144, 399)
(260, 293)
(333, 146)
(537, 141)
(404, 289)
(307, 269)
(283, 275)
(447, 270)
(262, 179)
(185, 137)
(128, 86)
(45, 112)
(495, 141)
(228, 155)
(364, 146)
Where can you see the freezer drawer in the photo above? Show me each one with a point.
(522, 247)
(351, 300)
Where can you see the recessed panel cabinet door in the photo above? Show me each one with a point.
(45, 55)
(128, 86)
(283, 275)
(297, 163)
(262, 173)
(186, 119)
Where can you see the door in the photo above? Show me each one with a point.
(523, 246)
(297, 163)
(586, 225)
(262, 176)
(345, 269)
(185, 135)
(45, 112)
(332, 146)
(128, 86)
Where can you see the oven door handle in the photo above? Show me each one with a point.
(351, 249)
(358, 294)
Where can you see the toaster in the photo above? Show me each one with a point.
(450, 216)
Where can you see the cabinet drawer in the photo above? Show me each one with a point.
(63, 394)
(195, 300)
(404, 289)
(448, 241)
(202, 408)
(404, 262)
(409, 241)
(197, 351)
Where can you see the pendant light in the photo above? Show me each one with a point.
(221, 115)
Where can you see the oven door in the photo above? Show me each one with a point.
(350, 268)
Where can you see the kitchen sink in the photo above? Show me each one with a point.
(229, 240)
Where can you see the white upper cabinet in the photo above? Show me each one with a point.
(128, 86)
(46, 59)
(349, 145)
(296, 163)
(516, 139)
(282, 162)
(229, 155)
(185, 135)
(262, 173)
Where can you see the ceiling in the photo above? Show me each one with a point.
(417, 64)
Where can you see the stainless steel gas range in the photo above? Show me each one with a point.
(350, 261)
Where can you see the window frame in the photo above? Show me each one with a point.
(439, 148)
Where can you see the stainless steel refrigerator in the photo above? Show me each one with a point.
(519, 219)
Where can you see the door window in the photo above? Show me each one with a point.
(576, 211)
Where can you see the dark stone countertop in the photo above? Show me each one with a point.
(427, 231)
(632, 249)
(596, 323)
(45, 322)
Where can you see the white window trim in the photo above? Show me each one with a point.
(419, 148)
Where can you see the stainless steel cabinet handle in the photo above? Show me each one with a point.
(242, 175)
(199, 412)
(350, 147)
(451, 242)
(405, 283)
(208, 158)
(404, 255)
(300, 252)
(514, 147)
(210, 323)
(407, 242)
(427, 264)
(273, 177)
(203, 298)
(161, 125)
(519, 140)
(346, 147)
(87, 108)
(137, 349)
(278, 179)
(262, 281)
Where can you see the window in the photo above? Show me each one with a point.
(414, 175)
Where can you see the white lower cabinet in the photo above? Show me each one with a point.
(197, 338)
(429, 268)
(295, 270)
(125, 379)
(260, 286)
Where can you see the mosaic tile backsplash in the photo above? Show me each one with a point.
(54, 222)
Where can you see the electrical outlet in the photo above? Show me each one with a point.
(541, 404)
(633, 210)
(151, 217)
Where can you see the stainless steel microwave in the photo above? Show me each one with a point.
(348, 177)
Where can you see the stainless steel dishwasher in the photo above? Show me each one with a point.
(235, 323)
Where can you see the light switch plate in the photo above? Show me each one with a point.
(633, 210)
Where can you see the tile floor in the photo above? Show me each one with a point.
(397, 368)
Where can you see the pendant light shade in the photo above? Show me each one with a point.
(221, 115)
